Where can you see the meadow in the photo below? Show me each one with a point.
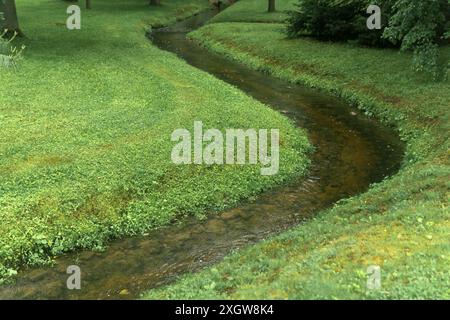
(86, 122)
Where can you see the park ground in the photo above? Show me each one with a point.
(401, 224)
(86, 124)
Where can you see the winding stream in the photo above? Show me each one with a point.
(352, 152)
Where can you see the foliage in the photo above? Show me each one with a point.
(421, 26)
(401, 224)
(418, 26)
(86, 125)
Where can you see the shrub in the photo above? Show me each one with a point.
(325, 20)
(419, 26)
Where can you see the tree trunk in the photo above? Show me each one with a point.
(88, 4)
(155, 2)
(271, 6)
(9, 20)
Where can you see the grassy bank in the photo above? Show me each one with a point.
(86, 124)
(401, 224)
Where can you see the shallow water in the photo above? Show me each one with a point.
(352, 152)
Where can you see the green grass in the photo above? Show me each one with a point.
(401, 224)
(255, 11)
(86, 123)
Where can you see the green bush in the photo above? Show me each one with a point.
(326, 20)
(419, 26)
(338, 20)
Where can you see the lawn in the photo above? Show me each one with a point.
(86, 125)
(401, 224)
(255, 11)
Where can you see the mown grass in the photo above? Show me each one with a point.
(86, 123)
(255, 11)
(401, 224)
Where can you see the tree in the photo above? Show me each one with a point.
(421, 26)
(272, 6)
(8, 18)
(328, 20)
(155, 2)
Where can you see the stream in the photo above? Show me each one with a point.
(352, 152)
